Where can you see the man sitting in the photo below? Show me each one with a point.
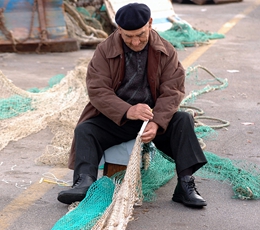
(135, 76)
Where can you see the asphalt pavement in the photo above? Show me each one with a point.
(236, 58)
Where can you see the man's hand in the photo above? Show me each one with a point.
(139, 112)
(149, 132)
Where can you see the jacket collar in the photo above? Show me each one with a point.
(155, 42)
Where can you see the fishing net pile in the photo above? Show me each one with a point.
(182, 35)
(58, 106)
(85, 25)
(110, 202)
(90, 24)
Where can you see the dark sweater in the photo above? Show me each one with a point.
(134, 88)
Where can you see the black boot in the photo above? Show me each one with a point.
(186, 193)
(78, 190)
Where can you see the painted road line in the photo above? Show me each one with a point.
(28, 197)
(223, 30)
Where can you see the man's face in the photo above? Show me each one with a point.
(136, 40)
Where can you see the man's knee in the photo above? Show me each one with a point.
(82, 128)
(182, 115)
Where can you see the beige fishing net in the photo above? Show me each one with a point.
(126, 195)
(110, 202)
(59, 107)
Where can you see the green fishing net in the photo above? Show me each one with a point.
(157, 169)
(182, 35)
(52, 82)
(89, 210)
(241, 175)
(17, 104)
(243, 178)
(14, 105)
(153, 177)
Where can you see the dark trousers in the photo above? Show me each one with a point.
(97, 134)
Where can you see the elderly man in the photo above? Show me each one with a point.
(135, 76)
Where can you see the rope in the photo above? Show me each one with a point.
(87, 29)
(194, 110)
(224, 123)
(197, 112)
(208, 88)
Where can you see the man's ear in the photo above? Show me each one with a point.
(150, 23)
(119, 29)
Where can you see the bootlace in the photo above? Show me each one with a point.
(77, 182)
(192, 186)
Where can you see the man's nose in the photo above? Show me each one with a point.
(135, 41)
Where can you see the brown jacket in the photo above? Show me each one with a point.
(166, 78)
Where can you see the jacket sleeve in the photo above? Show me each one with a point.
(101, 87)
(171, 90)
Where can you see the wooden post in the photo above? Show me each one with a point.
(42, 20)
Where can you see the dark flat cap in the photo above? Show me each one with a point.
(133, 16)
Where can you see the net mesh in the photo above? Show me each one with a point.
(120, 211)
(109, 203)
(91, 209)
(182, 35)
(243, 177)
(58, 107)
(124, 190)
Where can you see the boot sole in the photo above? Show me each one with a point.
(69, 198)
(180, 199)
